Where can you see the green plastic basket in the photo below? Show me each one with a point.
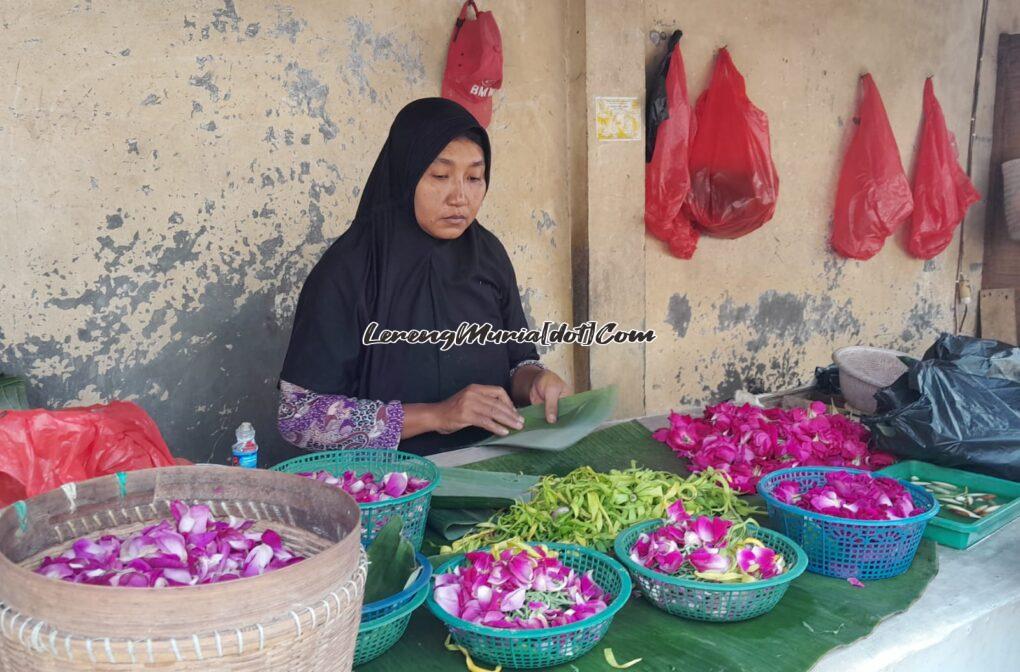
(706, 601)
(378, 636)
(947, 528)
(413, 508)
(545, 647)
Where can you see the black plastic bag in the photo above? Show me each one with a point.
(958, 407)
(827, 379)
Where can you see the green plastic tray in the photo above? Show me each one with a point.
(955, 531)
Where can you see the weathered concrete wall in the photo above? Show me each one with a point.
(769, 307)
(172, 170)
(615, 177)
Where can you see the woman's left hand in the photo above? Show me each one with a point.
(547, 388)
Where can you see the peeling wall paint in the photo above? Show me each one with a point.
(764, 310)
(173, 170)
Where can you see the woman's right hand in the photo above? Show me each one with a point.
(485, 406)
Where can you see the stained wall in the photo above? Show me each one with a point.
(172, 170)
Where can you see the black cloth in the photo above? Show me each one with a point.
(385, 268)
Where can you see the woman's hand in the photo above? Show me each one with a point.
(485, 406)
(547, 388)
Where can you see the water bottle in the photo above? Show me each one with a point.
(246, 451)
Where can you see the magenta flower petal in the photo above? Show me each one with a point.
(513, 601)
(705, 560)
(395, 483)
(676, 512)
(448, 597)
(522, 569)
(711, 531)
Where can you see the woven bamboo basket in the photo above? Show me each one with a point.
(301, 617)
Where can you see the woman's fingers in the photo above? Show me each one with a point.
(547, 390)
(552, 399)
(508, 418)
(490, 425)
(495, 392)
(497, 396)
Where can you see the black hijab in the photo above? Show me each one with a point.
(385, 268)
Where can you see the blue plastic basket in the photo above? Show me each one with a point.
(376, 610)
(843, 547)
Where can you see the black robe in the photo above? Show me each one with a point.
(385, 268)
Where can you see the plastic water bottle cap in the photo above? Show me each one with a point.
(245, 431)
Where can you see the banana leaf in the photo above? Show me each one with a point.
(390, 562)
(817, 614)
(577, 417)
(12, 393)
(474, 489)
(452, 524)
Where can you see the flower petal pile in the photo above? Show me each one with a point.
(366, 488)
(194, 549)
(701, 548)
(515, 586)
(856, 496)
(747, 442)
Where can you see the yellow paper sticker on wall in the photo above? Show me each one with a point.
(617, 118)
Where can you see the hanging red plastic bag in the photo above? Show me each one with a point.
(667, 148)
(41, 450)
(734, 184)
(873, 196)
(474, 63)
(942, 191)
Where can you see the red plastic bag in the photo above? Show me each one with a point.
(667, 177)
(873, 196)
(41, 450)
(942, 191)
(734, 184)
(474, 63)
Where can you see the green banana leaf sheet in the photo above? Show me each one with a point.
(452, 524)
(816, 615)
(475, 489)
(577, 417)
(13, 395)
(466, 497)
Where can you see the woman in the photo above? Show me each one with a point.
(413, 258)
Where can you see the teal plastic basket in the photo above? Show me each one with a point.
(383, 622)
(377, 636)
(412, 508)
(845, 547)
(706, 601)
(545, 647)
(952, 530)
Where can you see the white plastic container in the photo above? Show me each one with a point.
(864, 371)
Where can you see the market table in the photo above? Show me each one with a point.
(962, 615)
(969, 612)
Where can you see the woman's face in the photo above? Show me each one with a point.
(451, 191)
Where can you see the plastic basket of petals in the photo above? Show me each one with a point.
(845, 547)
(705, 600)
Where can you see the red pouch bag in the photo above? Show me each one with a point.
(873, 196)
(474, 63)
(667, 177)
(734, 184)
(41, 450)
(942, 191)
